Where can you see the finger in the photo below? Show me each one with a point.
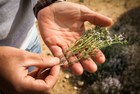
(74, 63)
(89, 65)
(57, 51)
(53, 76)
(77, 68)
(40, 86)
(41, 61)
(35, 86)
(94, 17)
(99, 56)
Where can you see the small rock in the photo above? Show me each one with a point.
(80, 83)
(67, 76)
(75, 88)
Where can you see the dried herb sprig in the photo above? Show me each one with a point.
(95, 38)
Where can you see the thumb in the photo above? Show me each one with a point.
(41, 61)
(94, 17)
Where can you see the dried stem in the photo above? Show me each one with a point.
(95, 38)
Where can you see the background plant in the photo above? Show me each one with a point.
(81, 1)
(120, 73)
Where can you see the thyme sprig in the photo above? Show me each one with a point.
(94, 38)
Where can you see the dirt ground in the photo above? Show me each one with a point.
(67, 83)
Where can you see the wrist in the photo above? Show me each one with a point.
(42, 4)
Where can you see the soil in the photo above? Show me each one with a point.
(69, 83)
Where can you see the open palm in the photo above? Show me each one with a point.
(61, 24)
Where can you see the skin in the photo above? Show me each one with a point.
(61, 24)
(14, 76)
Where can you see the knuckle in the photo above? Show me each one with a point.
(42, 57)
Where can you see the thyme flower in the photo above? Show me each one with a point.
(94, 38)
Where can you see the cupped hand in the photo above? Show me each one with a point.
(14, 75)
(61, 24)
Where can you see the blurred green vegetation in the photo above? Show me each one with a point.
(81, 1)
(120, 73)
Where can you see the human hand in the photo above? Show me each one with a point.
(61, 24)
(14, 75)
